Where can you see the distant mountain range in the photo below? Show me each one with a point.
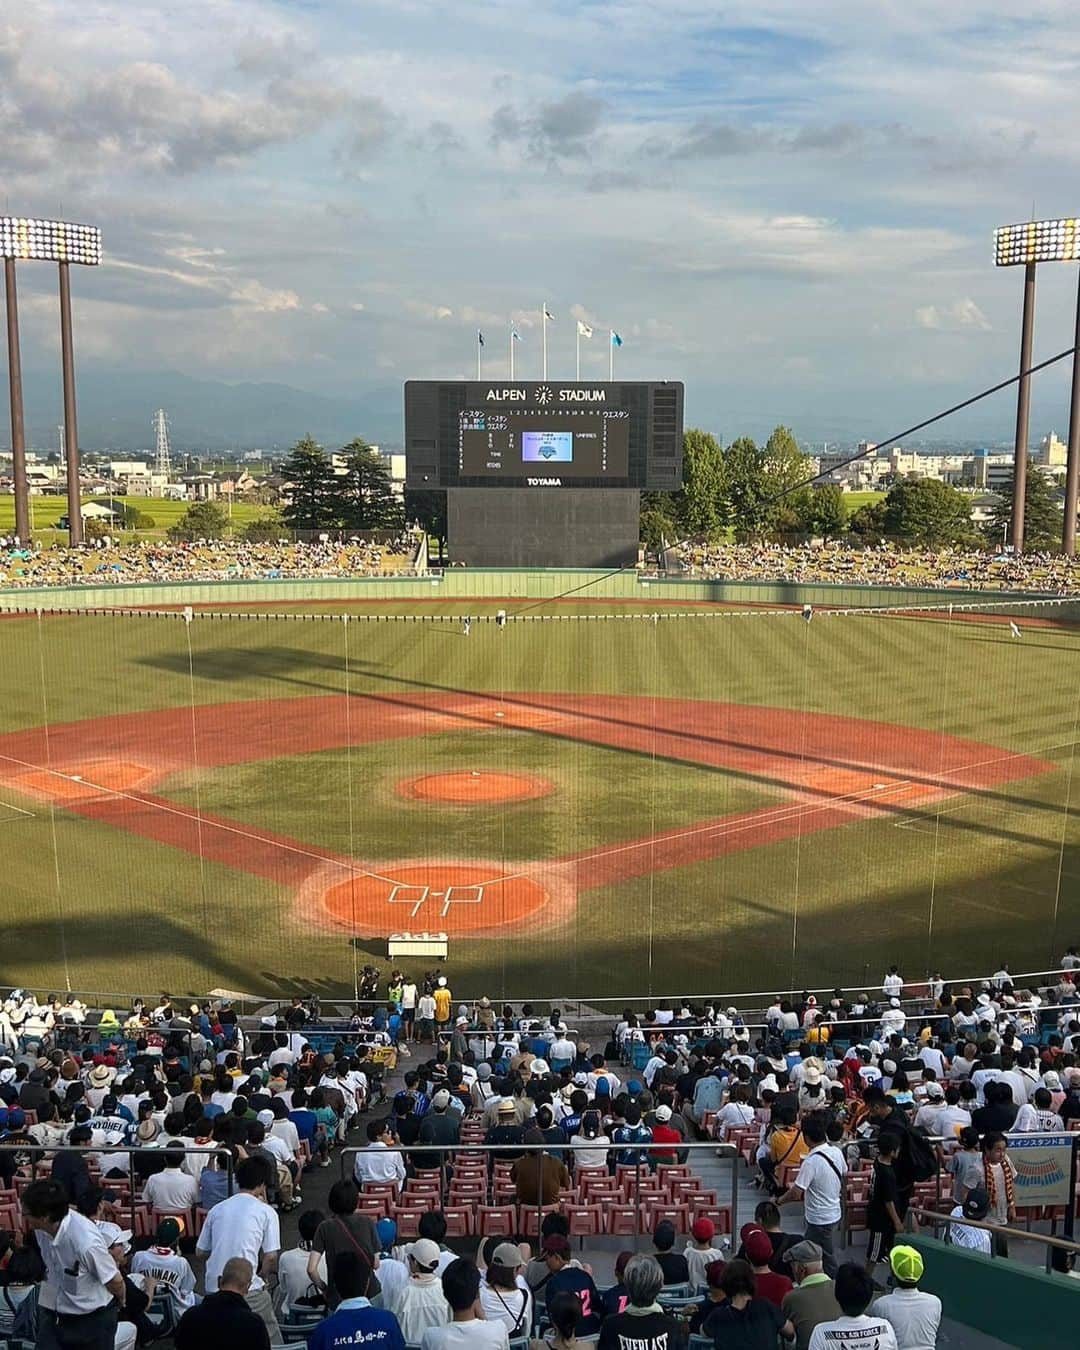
(115, 411)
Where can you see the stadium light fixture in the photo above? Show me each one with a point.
(29, 239)
(1027, 245)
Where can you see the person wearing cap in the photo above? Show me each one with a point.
(444, 1004)
(663, 1132)
(467, 1326)
(813, 1300)
(758, 1249)
(701, 1252)
(507, 1131)
(420, 1303)
(439, 1126)
(163, 1264)
(379, 1162)
(819, 1185)
(913, 1315)
(975, 1207)
(854, 1329)
(84, 1305)
(504, 1294)
(355, 1321)
(565, 1276)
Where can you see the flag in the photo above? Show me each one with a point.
(616, 340)
(479, 337)
(548, 314)
(515, 335)
(583, 329)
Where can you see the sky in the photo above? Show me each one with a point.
(788, 205)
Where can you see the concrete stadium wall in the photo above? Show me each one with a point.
(489, 585)
(1014, 1303)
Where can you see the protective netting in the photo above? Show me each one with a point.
(589, 800)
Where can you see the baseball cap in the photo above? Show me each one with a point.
(557, 1243)
(703, 1229)
(441, 1100)
(114, 1235)
(758, 1247)
(663, 1114)
(425, 1253)
(907, 1264)
(935, 1090)
(540, 1066)
(581, 1080)
(168, 1231)
(506, 1256)
(977, 1204)
(265, 1117)
(804, 1253)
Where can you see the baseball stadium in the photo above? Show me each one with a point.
(599, 782)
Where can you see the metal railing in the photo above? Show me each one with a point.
(1046, 1240)
(661, 1155)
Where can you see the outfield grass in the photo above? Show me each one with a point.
(854, 500)
(963, 884)
(46, 511)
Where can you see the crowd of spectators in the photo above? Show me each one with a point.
(885, 565)
(217, 1127)
(113, 562)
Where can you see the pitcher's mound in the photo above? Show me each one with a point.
(475, 787)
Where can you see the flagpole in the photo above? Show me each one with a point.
(578, 375)
(611, 358)
(511, 350)
(479, 350)
(543, 324)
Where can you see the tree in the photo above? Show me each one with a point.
(263, 530)
(659, 521)
(363, 496)
(927, 512)
(745, 489)
(869, 520)
(428, 508)
(1043, 516)
(822, 511)
(700, 504)
(309, 478)
(202, 520)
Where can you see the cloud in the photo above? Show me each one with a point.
(953, 318)
(558, 128)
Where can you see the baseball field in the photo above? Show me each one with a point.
(605, 799)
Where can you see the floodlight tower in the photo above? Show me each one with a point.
(161, 431)
(64, 243)
(1030, 243)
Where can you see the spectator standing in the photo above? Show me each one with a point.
(223, 1320)
(343, 1231)
(355, 1321)
(913, 1315)
(819, 1185)
(882, 1214)
(999, 1177)
(813, 1300)
(467, 1328)
(84, 1306)
(245, 1225)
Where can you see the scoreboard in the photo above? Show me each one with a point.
(472, 434)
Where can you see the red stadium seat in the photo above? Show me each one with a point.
(496, 1220)
(459, 1220)
(527, 1220)
(626, 1220)
(585, 1220)
(408, 1222)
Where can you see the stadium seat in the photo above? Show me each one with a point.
(585, 1220)
(496, 1220)
(626, 1220)
(459, 1220)
(679, 1215)
(408, 1222)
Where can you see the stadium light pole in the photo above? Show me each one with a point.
(64, 243)
(1029, 244)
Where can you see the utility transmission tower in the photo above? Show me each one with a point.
(161, 429)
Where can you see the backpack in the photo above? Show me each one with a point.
(25, 1325)
(921, 1156)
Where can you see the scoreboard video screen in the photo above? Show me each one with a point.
(480, 434)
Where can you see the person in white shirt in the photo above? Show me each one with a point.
(952, 1118)
(468, 1329)
(164, 1264)
(893, 1020)
(172, 1188)
(294, 1283)
(1036, 1116)
(735, 1113)
(421, 1303)
(504, 1294)
(819, 1186)
(701, 1252)
(913, 1315)
(855, 1330)
(377, 1162)
(245, 1226)
(976, 1207)
(90, 1298)
(892, 986)
(928, 1117)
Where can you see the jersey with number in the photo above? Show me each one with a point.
(579, 1282)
